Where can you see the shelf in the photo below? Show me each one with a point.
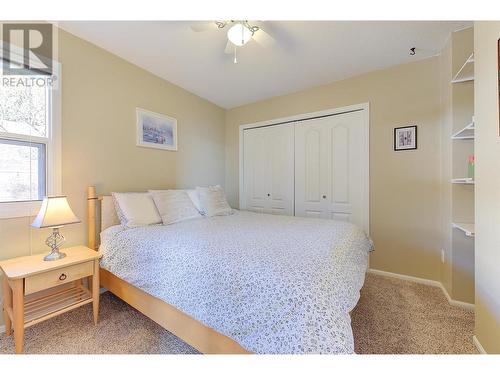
(46, 306)
(466, 72)
(467, 228)
(466, 133)
(466, 181)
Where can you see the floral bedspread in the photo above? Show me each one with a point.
(274, 284)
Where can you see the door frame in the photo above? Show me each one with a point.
(365, 107)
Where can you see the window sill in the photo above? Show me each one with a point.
(10, 210)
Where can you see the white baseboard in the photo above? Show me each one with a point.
(405, 277)
(453, 302)
(478, 345)
(2, 328)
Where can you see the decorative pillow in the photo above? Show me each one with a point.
(174, 206)
(136, 209)
(213, 201)
(192, 193)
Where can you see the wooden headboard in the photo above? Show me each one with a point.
(101, 215)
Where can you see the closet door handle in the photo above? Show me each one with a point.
(324, 196)
(268, 194)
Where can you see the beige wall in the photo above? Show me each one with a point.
(99, 95)
(404, 186)
(487, 145)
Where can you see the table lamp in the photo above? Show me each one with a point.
(55, 213)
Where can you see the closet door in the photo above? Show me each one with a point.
(256, 170)
(348, 169)
(311, 158)
(269, 169)
(331, 156)
(281, 169)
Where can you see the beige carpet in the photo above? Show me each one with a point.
(402, 317)
(393, 316)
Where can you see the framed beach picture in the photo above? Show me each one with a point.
(405, 138)
(156, 130)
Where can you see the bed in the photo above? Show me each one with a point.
(244, 283)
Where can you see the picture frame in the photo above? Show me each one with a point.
(405, 138)
(156, 130)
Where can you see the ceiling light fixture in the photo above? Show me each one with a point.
(239, 34)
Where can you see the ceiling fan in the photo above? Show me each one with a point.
(239, 33)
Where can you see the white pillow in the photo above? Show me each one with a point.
(213, 201)
(174, 206)
(192, 193)
(136, 209)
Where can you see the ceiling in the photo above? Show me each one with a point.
(306, 54)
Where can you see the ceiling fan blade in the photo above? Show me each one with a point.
(263, 38)
(199, 27)
(229, 48)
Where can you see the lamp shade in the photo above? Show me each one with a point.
(55, 212)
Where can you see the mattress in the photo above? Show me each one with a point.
(274, 284)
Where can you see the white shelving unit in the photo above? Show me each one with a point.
(465, 133)
(466, 72)
(465, 181)
(467, 228)
(458, 266)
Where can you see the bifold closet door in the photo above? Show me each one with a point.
(331, 168)
(268, 163)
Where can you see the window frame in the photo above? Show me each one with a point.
(52, 143)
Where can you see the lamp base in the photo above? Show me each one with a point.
(54, 255)
(54, 240)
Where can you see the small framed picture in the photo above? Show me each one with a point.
(405, 138)
(156, 130)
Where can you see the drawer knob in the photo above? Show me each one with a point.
(62, 277)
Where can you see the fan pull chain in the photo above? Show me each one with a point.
(243, 34)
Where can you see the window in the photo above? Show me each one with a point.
(23, 170)
(29, 146)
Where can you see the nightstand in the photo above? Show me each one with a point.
(35, 290)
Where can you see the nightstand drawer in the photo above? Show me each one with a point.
(60, 276)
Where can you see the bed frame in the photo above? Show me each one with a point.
(204, 339)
